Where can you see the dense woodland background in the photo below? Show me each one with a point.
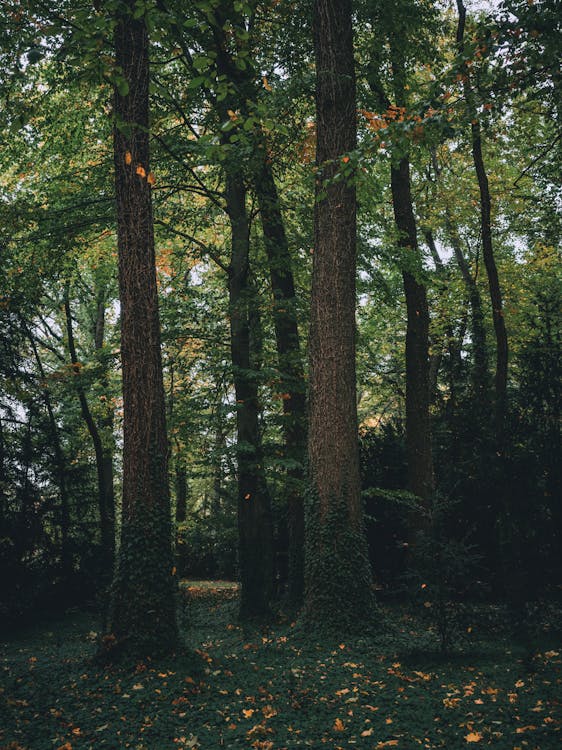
(239, 166)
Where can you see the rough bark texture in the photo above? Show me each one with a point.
(104, 462)
(502, 350)
(291, 384)
(255, 526)
(142, 616)
(337, 575)
(418, 427)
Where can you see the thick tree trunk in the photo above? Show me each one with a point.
(337, 574)
(255, 524)
(104, 462)
(143, 615)
(418, 426)
(291, 384)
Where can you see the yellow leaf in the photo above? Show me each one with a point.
(473, 737)
(128, 157)
(141, 171)
(388, 720)
(339, 725)
(367, 732)
(266, 85)
(388, 743)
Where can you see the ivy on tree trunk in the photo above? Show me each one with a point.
(337, 574)
(142, 615)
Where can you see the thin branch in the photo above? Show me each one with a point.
(537, 158)
(201, 245)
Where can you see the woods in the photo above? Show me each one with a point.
(280, 358)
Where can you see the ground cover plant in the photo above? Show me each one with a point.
(281, 687)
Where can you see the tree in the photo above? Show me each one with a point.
(487, 243)
(336, 563)
(142, 616)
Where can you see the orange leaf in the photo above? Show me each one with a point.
(141, 171)
(345, 159)
(128, 157)
(473, 737)
(151, 179)
(248, 712)
(339, 725)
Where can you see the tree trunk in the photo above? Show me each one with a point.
(143, 615)
(418, 427)
(502, 351)
(104, 462)
(181, 490)
(480, 354)
(337, 574)
(60, 464)
(291, 386)
(255, 524)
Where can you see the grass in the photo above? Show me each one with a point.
(281, 687)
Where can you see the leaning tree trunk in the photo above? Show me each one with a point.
(142, 615)
(337, 574)
(418, 427)
(255, 525)
(291, 386)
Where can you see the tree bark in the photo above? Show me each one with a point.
(291, 384)
(502, 349)
(255, 525)
(418, 426)
(143, 615)
(337, 574)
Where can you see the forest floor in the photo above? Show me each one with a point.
(282, 687)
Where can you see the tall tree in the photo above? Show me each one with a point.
(142, 615)
(494, 285)
(255, 526)
(402, 40)
(336, 563)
